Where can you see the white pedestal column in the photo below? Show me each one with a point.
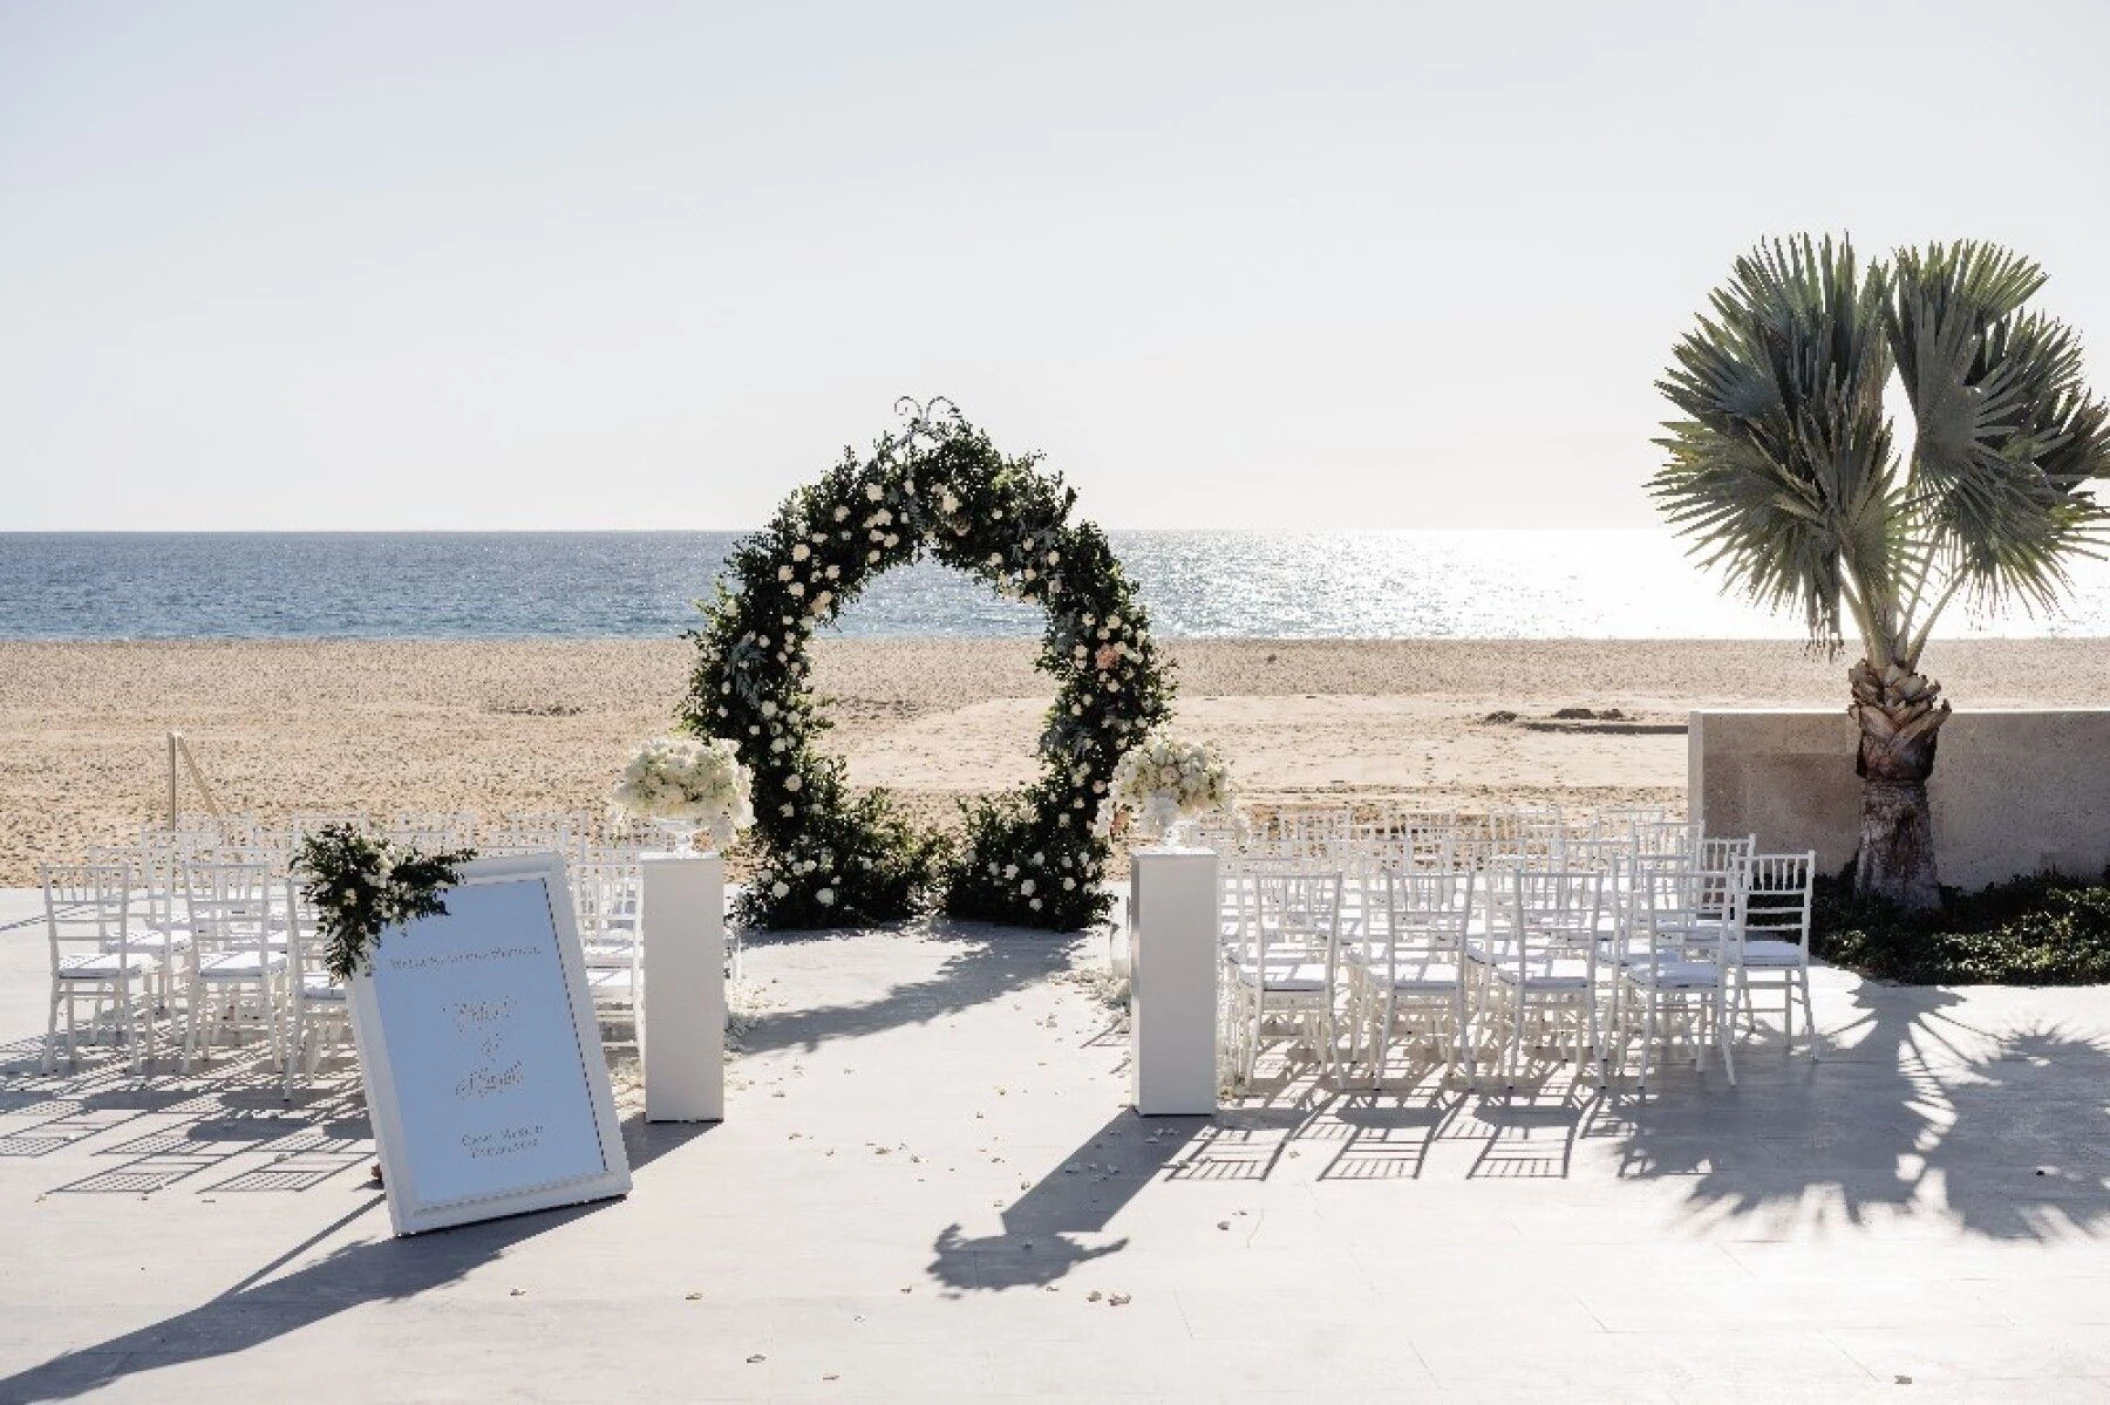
(1173, 968)
(681, 1037)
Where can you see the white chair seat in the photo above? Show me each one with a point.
(609, 982)
(239, 966)
(1287, 975)
(1412, 976)
(1565, 972)
(107, 966)
(1676, 975)
(1773, 955)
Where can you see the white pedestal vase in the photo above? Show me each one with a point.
(1174, 964)
(682, 1031)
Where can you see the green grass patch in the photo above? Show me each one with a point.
(2040, 930)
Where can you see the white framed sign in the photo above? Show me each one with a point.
(481, 1054)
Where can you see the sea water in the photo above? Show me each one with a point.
(1204, 584)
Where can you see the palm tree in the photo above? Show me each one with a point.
(1784, 473)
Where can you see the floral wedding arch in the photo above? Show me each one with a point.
(826, 857)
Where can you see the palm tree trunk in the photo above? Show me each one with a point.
(1900, 714)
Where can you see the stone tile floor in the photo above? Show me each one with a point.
(927, 1185)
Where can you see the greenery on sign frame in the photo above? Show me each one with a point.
(826, 858)
(360, 883)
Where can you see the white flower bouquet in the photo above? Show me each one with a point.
(1164, 780)
(688, 784)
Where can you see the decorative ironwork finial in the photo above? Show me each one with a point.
(921, 412)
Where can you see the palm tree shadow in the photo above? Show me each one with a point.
(1912, 1112)
(984, 963)
(267, 1305)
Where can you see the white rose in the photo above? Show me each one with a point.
(1010, 870)
(779, 889)
(872, 491)
(1026, 887)
(801, 551)
(825, 897)
(1035, 904)
(841, 513)
(783, 573)
(797, 590)
(792, 783)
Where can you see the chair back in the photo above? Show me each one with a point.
(304, 952)
(230, 908)
(1777, 897)
(1428, 917)
(1678, 839)
(1540, 916)
(1299, 919)
(87, 910)
(1681, 912)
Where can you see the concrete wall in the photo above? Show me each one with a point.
(2013, 792)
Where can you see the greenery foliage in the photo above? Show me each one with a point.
(829, 858)
(2039, 930)
(360, 883)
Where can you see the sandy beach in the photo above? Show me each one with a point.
(496, 726)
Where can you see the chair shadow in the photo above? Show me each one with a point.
(1040, 1242)
(985, 964)
(264, 1307)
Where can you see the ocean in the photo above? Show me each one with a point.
(640, 585)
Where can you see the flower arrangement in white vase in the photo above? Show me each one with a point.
(1166, 783)
(687, 784)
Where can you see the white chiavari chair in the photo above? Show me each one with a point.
(434, 831)
(1536, 970)
(88, 919)
(1618, 821)
(538, 831)
(305, 822)
(1679, 839)
(1406, 974)
(1774, 950)
(1671, 985)
(605, 899)
(238, 956)
(1286, 964)
(318, 1015)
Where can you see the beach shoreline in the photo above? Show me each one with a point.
(488, 726)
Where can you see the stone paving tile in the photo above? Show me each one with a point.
(942, 1113)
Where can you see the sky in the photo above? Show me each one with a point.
(518, 265)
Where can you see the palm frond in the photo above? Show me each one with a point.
(2007, 435)
(1782, 472)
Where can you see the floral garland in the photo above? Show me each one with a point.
(826, 858)
(360, 883)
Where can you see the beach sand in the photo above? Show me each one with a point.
(490, 727)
